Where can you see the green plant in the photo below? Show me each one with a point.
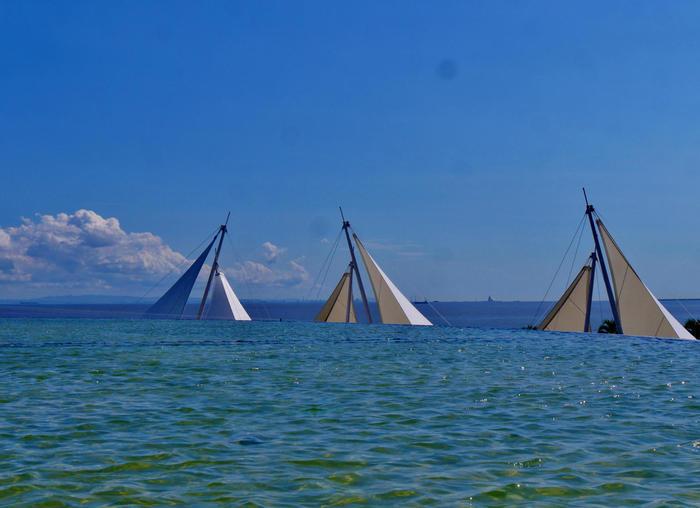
(693, 326)
(608, 326)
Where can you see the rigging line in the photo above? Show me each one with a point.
(692, 316)
(573, 259)
(248, 286)
(599, 216)
(439, 313)
(323, 265)
(179, 266)
(537, 312)
(328, 266)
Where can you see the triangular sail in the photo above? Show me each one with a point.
(336, 307)
(569, 314)
(173, 302)
(640, 311)
(394, 307)
(224, 302)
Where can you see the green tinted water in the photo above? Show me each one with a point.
(157, 412)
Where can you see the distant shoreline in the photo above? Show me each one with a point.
(77, 301)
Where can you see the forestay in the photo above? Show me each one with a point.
(569, 314)
(394, 307)
(336, 307)
(224, 302)
(640, 311)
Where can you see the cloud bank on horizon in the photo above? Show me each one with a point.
(84, 252)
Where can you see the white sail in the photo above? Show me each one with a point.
(569, 314)
(394, 307)
(640, 311)
(336, 307)
(224, 302)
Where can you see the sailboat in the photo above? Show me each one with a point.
(634, 307)
(394, 307)
(224, 303)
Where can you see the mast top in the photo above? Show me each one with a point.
(223, 226)
(346, 224)
(589, 207)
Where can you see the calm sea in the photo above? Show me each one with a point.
(130, 411)
(479, 314)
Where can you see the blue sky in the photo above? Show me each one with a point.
(456, 136)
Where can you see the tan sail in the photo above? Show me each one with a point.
(569, 314)
(394, 307)
(336, 307)
(640, 311)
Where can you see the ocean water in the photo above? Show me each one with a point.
(474, 314)
(107, 411)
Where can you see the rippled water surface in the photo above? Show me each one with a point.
(159, 412)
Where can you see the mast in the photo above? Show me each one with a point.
(606, 279)
(214, 266)
(589, 300)
(349, 306)
(346, 225)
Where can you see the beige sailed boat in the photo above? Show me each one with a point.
(394, 307)
(635, 309)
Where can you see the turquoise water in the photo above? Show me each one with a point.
(158, 412)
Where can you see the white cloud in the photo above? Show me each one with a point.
(84, 252)
(81, 250)
(256, 273)
(4, 240)
(271, 252)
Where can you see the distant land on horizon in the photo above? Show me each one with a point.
(134, 300)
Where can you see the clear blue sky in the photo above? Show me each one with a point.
(456, 135)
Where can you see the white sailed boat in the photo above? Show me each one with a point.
(394, 307)
(224, 303)
(635, 309)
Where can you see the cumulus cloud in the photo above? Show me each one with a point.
(84, 252)
(4, 240)
(271, 252)
(251, 272)
(81, 250)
